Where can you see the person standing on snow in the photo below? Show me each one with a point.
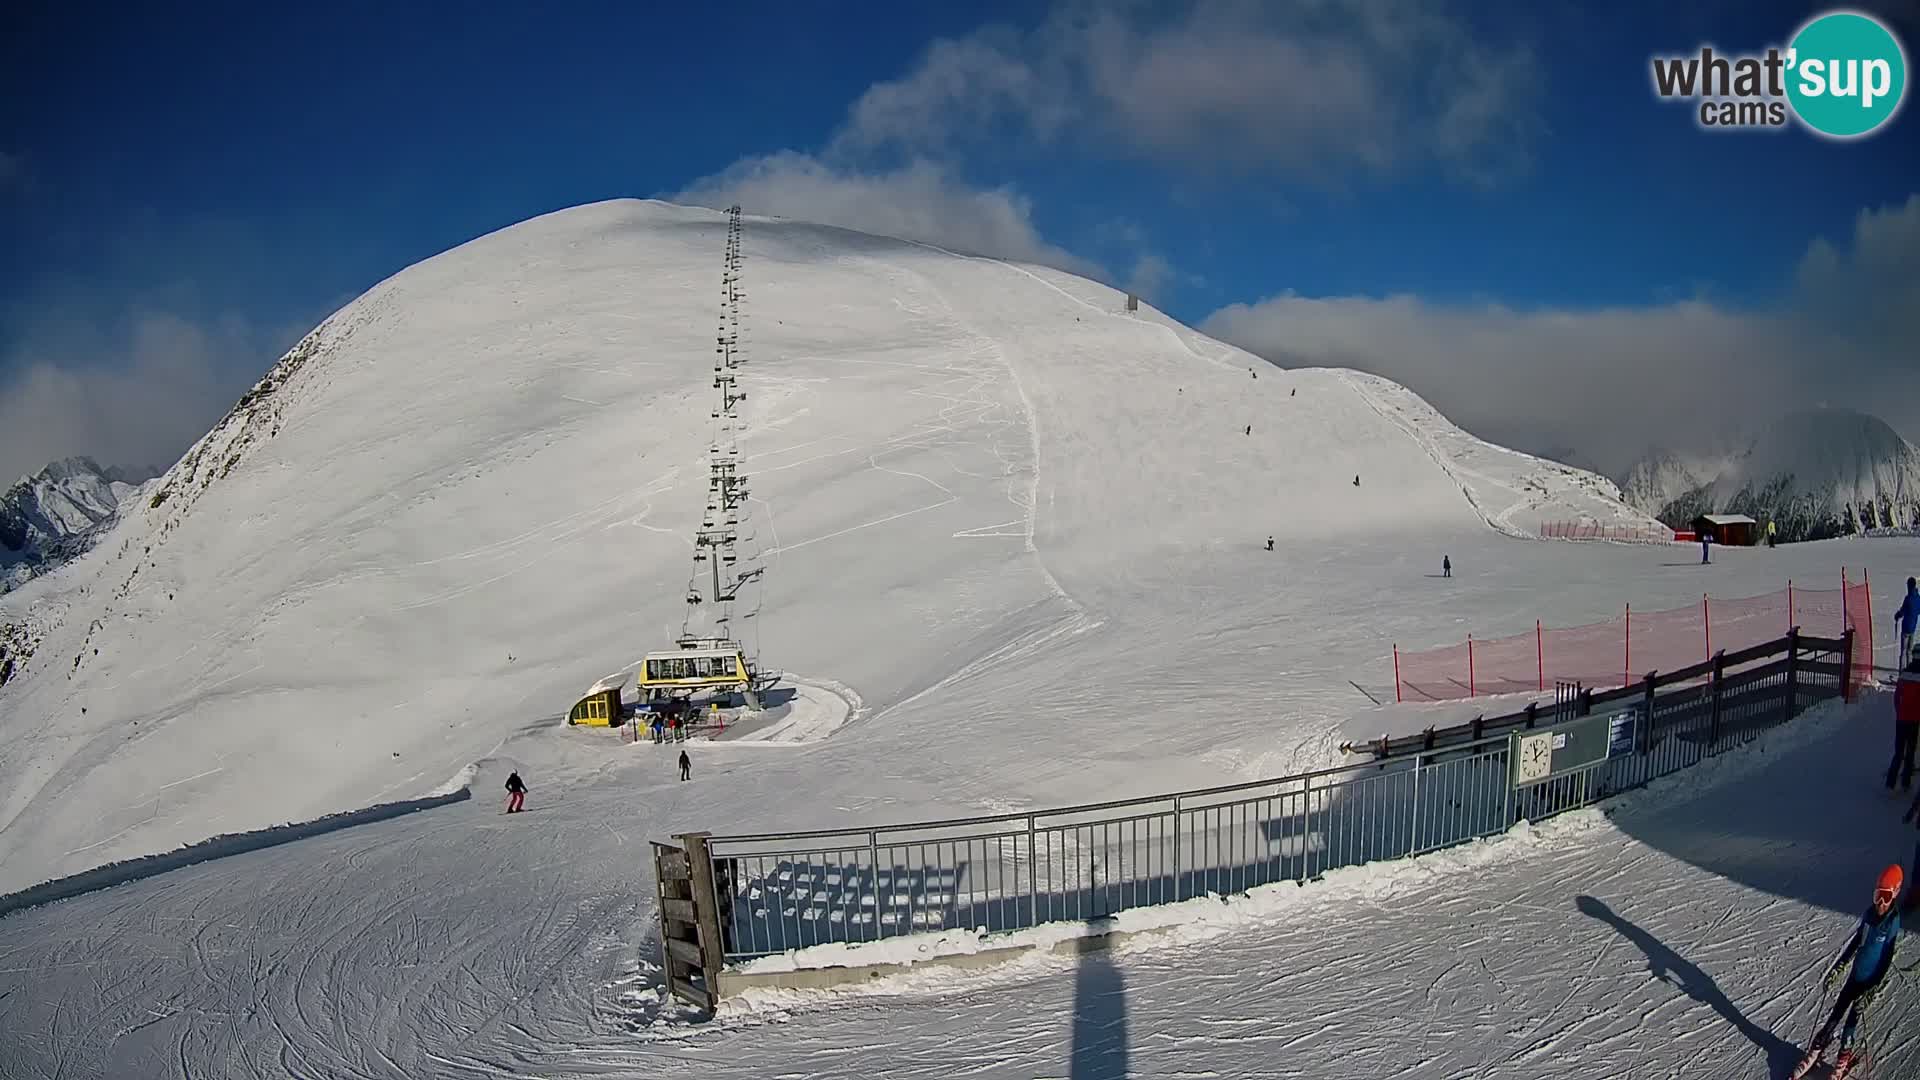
(1906, 724)
(1705, 539)
(686, 766)
(1871, 951)
(516, 793)
(1907, 617)
(1446, 566)
(1269, 543)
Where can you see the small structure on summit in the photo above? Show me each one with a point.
(1727, 530)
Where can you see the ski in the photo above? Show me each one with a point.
(1814, 1067)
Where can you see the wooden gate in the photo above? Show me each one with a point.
(692, 950)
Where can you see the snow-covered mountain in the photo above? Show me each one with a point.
(1021, 528)
(501, 453)
(1661, 476)
(52, 515)
(1815, 473)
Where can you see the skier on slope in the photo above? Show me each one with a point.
(516, 793)
(1871, 950)
(1446, 566)
(1907, 617)
(686, 766)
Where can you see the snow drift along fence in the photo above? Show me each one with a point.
(1589, 530)
(1619, 651)
(776, 892)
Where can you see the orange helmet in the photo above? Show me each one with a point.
(1889, 884)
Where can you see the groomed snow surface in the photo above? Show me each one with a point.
(1017, 531)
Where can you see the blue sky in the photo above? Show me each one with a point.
(182, 194)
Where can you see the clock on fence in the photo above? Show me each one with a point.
(1535, 758)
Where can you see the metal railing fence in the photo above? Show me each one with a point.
(782, 891)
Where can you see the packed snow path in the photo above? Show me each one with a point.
(1685, 937)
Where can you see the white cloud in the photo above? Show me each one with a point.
(140, 397)
(1610, 382)
(919, 201)
(1305, 88)
(1150, 276)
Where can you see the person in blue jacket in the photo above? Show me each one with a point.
(1907, 617)
(1871, 951)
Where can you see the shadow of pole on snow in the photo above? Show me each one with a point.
(1099, 1012)
(1669, 966)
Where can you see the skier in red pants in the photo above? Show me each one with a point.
(516, 793)
(1871, 951)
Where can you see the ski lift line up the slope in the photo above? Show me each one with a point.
(707, 657)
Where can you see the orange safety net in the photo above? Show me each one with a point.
(1624, 649)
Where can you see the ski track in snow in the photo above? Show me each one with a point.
(459, 942)
(1015, 529)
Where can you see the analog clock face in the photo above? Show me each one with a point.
(1536, 756)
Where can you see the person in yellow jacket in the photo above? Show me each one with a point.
(1770, 533)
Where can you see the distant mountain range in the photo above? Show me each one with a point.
(57, 513)
(1815, 474)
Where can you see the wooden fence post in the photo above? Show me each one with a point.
(683, 952)
(706, 906)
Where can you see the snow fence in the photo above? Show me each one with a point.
(778, 893)
(1620, 651)
(1593, 530)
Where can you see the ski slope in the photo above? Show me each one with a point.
(1684, 936)
(980, 489)
(1022, 528)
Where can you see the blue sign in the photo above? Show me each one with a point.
(1620, 731)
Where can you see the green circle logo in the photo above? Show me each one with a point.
(1847, 74)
